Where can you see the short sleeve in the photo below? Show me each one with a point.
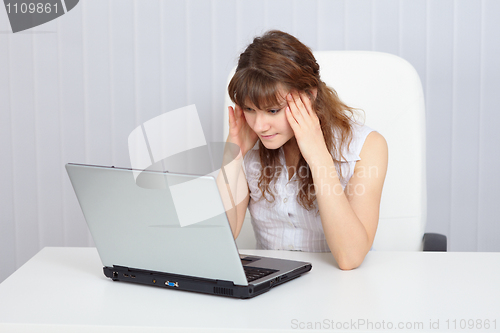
(350, 155)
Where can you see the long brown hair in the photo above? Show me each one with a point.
(279, 60)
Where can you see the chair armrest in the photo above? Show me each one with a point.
(435, 242)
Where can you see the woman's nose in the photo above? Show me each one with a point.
(261, 122)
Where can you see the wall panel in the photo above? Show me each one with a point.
(24, 159)
(73, 122)
(331, 25)
(305, 13)
(199, 59)
(122, 78)
(465, 125)
(96, 75)
(413, 35)
(359, 25)
(147, 30)
(224, 58)
(386, 26)
(439, 103)
(174, 62)
(48, 137)
(271, 14)
(7, 221)
(488, 228)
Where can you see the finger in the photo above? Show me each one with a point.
(306, 100)
(295, 109)
(233, 122)
(291, 120)
(230, 112)
(241, 114)
(305, 105)
(297, 97)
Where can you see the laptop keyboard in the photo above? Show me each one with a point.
(254, 273)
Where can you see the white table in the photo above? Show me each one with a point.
(64, 290)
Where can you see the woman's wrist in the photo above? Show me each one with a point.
(233, 151)
(321, 161)
(324, 172)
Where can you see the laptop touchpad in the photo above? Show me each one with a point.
(248, 260)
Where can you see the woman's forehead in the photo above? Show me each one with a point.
(274, 99)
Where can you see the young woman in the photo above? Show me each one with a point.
(310, 174)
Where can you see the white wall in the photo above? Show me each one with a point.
(73, 89)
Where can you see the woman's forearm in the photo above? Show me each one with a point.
(345, 234)
(233, 189)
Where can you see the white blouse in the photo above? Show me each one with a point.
(284, 224)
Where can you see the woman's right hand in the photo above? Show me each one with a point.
(240, 132)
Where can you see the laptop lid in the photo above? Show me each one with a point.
(156, 221)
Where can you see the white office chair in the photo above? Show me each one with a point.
(388, 89)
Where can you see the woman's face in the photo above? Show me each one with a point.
(271, 124)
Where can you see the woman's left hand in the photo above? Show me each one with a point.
(305, 125)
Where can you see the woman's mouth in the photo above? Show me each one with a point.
(267, 137)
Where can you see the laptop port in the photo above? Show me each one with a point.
(125, 275)
(275, 280)
(115, 274)
(171, 284)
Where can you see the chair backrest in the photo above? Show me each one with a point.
(388, 89)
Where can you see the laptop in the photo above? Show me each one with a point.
(170, 230)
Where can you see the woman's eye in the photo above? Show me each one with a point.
(247, 109)
(274, 111)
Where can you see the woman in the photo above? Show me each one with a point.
(314, 180)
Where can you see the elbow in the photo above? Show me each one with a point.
(350, 258)
(347, 264)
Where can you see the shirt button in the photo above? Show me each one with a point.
(285, 200)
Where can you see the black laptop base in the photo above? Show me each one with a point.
(187, 283)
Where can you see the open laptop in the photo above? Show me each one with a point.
(170, 230)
